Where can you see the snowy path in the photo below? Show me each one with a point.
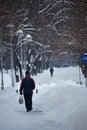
(14, 117)
(63, 102)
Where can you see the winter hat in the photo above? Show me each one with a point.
(27, 72)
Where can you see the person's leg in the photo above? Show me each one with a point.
(26, 102)
(30, 101)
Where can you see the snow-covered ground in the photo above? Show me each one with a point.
(62, 102)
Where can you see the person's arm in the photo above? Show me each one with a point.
(33, 84)
(21, 88)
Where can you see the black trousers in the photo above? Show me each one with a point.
(28, 101)
(51, 74)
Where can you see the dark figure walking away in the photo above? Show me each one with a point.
(26, 88)
(51, 71)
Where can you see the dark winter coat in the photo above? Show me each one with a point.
(27, 85)
(51, 70)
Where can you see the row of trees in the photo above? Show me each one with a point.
(33, 32)
(26, 54)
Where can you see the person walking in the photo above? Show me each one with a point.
(51, 71)
(26, 88)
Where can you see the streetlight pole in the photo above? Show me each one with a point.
(80, 76)
(20, 35)
(11, 26)
(2, 82)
